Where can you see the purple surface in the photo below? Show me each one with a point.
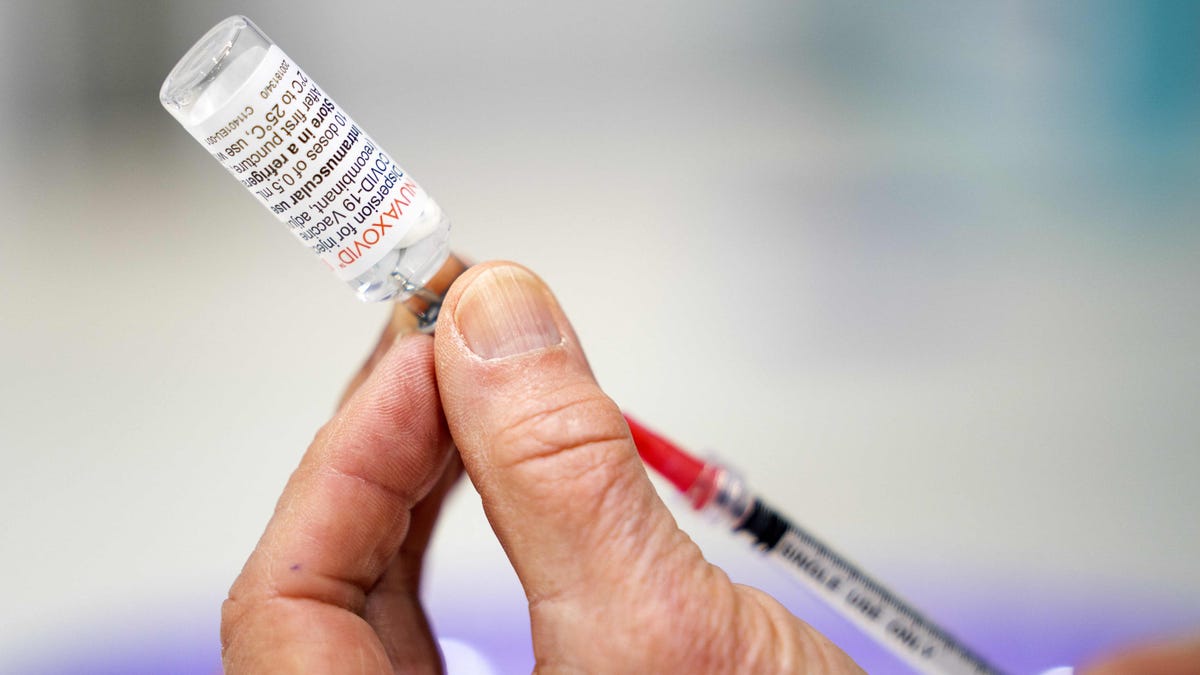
(1021, 628)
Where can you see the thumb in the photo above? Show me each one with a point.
(550, 454)
(613, 584)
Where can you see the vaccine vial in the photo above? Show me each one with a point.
(303, 158)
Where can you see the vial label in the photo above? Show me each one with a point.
(303, 158)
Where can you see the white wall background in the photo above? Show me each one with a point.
(928, 277)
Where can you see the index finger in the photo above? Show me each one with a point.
(342, 519)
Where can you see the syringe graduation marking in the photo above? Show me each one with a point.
(849, 590)
(851, 584)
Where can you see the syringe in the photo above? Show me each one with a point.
(843, 586)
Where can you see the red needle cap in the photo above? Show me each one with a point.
(668, 459)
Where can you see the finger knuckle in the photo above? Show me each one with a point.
(232, 613)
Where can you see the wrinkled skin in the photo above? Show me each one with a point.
(504, 392)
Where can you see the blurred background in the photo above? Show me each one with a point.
(929, 275)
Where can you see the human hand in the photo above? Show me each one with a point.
(333, 584)
(613, 584)
(1164, 657)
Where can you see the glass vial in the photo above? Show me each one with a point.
(303, 158)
